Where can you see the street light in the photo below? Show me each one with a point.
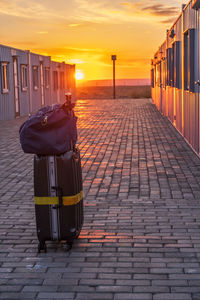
(114, 58)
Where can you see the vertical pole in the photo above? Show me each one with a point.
(114, 57)
(113, 79)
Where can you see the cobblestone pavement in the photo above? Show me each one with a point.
(141, 234)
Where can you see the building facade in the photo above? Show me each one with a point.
(30, 81)
(175, 71)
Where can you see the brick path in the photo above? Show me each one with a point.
(141, 234)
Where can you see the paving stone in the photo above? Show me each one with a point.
(55, 295)
(196, 296)
(8, 288)
(133, 296)
(170, 283)
(94, 296)
(140, 238)
(151, 289)
(15, 295)
(172, 296)
(113, 288)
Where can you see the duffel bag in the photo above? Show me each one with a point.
(51, 131)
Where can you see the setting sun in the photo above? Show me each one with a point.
(79, 75)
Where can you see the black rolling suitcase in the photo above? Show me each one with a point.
(58, 195)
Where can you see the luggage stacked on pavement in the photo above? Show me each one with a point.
(58, 191)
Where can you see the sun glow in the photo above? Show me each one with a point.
(79, 75)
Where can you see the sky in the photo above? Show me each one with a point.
(88, 32)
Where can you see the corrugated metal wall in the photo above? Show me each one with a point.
(7, 108)
(22, 59)
(180, 96)
(40, 91)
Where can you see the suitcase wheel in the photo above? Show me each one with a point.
(42, 246)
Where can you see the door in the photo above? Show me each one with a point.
(161, 85)
(42, 83)
(16, 87)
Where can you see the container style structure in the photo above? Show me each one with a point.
(175, 71)
(29, 81)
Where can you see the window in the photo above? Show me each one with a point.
(169, 66)
(158, 74)
(62, 80)
(186, 61)
(47, 77)
(4, 75)
(163, 73)
(24, 77)
(189, 40)
(55, 80)
(35, 78)
(152, 78)
(191, 59)
(177, 64)
(173, 64)
(154, 75)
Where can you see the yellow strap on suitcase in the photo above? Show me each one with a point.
(67, 200)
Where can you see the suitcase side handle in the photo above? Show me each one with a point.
(59, 194)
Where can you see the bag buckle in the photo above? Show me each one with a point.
(44, 121)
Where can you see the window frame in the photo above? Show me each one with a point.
(47, 77)
(35, 70)
(5, 77)
(163, 72)
(55, 80)
(62, 80)
(158, 74)
(152, 77)
(169, 66)
(177, 65)
(173, 54)
(24, 77)
(189, 60)
(186, 60)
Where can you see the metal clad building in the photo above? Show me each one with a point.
(7, 106)
(175, 74)
(29, 81)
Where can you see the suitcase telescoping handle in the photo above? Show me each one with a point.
(60, 195)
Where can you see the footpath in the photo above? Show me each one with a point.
(141, 233)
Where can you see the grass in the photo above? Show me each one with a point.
(106, 92)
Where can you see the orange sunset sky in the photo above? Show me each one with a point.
(87, 32)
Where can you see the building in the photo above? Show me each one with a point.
(175, 74)
(30, 81)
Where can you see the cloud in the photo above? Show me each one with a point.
(74, 13)
(161, 10)
(131, 63)
(70, 54)
(124, 59)
(108, 12)
(42, 32)
(74, 25)
(168, 21)
(31, 9)
(77, 14)
(82, 24)
(149, 10)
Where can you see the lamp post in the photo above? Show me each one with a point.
(114, 58)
